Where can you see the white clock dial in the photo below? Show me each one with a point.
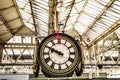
(58, 52)
(56, 57)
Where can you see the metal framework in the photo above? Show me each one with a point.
(96, 23)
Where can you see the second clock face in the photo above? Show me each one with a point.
(59, 54)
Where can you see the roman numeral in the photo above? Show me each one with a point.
(72, 53)
(47, 59)
(52, 42)
(65, 42)
(53, 64)
(66, 65)
(47, 46)
(46, 53)
(59, 67)
(70, 47)
(71, 60)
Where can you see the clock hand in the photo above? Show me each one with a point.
(60, 53)
(56, 51)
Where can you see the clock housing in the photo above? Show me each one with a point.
(58, 55)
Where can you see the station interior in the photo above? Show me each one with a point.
(95, 24)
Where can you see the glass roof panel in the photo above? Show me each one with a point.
(91, 33)
(73, 18)
(106, 21)
(102, 24)
(85, 19)
(80, 28)
(90, 10)
(108, 18)
(95, 4)
(79, 5)
(104, 2)
(87, 16)
(93, 7)
(41, 11)
(24, 7)
(99, 29)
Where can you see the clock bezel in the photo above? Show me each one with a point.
(57, 72)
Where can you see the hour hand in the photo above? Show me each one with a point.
(56, 51)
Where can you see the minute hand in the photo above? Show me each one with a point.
(56, 51)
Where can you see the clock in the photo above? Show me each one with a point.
(58, 55)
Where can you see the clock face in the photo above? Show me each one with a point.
(59, 54)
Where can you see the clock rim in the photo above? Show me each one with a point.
(58, 74)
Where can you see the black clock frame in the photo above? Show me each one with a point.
(45, 71)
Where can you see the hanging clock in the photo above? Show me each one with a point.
(58, 55)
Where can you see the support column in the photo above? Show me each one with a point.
(35, 61)
(1, 53)
(89, 56)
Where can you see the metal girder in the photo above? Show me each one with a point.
(32, 13)
(7, 25)
(1, 53)
(103, 64)
(80, 12)
(19, 44)
(114, 27)
(21, 19)
(1, 42)
(11, 20)
(19, 47)
(52, 11)
(72, 5)
(16, 64)
(19, 56)
(118, 54)
(7, 8)
(8, 55)
(99, 16)
(109, 48)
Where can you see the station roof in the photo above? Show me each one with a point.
(91, 19)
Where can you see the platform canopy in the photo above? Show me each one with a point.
(91, 19)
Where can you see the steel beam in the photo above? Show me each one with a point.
(72, 5)
(79, 13)
(8, 55)
(19, 47)
(114, 27)
(19, 44)
(1, 53)
(21, 19)
(2, 42)
(7, 25)
(7, 7)
(52, 11)
(19, 56)
(11, 20)
(32, 13)
(16, 64)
